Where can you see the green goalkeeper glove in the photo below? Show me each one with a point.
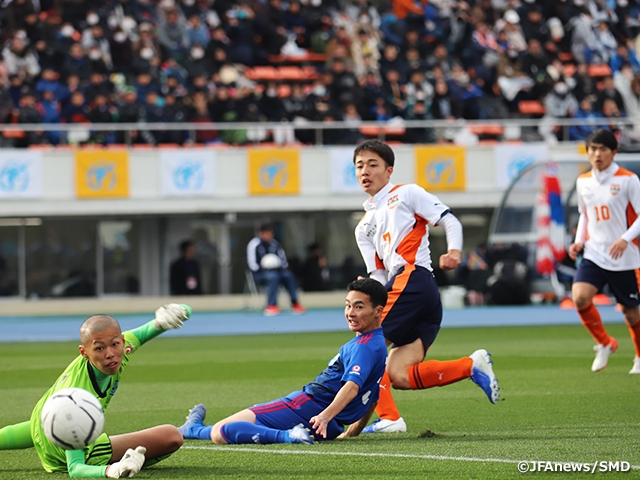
(130, 464)
(172, 315)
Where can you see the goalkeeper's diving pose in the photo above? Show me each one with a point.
(104, 352)
(344, 393)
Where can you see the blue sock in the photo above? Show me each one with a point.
(200, 432)
(247, 432)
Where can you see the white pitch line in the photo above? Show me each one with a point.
(385, 455)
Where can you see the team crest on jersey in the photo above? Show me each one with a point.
(393, 202)
(614, 189)
(128, 349)
(355, 370)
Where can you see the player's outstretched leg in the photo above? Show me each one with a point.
(390, 420)
(483, 376)
(196, 419)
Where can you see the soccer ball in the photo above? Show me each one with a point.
(72, 418)
(270, 261)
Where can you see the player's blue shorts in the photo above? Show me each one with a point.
(287, 412)
(413, 307)
(623, 284)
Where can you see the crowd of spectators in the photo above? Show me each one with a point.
(110, 61)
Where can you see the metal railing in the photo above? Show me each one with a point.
(512, 127)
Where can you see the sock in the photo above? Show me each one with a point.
(434, 373)
(591, 319)
(635, 336)
(200, 432)
(246, 432)
(13, 437)
(386, 407)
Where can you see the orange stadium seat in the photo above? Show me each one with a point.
(531, 107)
(599, 70)
(291, 73)
(262, 73)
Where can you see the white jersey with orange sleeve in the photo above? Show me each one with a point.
(609, 202)
(394, 229)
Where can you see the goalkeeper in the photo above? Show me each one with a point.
(104, 352)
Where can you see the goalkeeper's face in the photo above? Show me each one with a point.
(104, 349)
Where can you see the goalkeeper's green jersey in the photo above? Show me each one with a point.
(81, 374)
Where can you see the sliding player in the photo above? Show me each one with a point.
(607, 235)
(393, 239)
(104, 353)
(345, 393)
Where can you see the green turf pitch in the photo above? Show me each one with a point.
(553, 407)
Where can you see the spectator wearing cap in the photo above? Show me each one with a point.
(20, 60)
(172, 35)
(511, 25)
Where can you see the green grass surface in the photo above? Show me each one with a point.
(553, 407)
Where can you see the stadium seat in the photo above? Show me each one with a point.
(262, 74)
(596, 71)
(291, 73)
(531, 108)
(13, 134)
(487, 131)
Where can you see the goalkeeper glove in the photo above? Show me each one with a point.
(172, 315)
(130, 464)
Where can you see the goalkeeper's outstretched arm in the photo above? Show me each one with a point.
(170, 316)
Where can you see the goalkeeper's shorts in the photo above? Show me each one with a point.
(99, 452)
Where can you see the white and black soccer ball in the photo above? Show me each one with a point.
(72, 418)
(270, 261)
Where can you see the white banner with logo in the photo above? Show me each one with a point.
(343, 172)
(511, 159)
(20, 174)
(188, 173)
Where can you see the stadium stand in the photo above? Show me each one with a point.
(169, 60)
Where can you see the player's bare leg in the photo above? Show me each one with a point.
(159, 441)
